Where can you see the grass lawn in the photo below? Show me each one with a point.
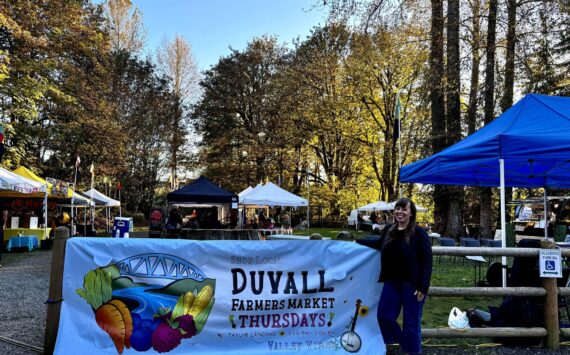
(331, 232)
(436, 310)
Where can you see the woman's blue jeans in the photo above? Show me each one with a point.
(396, 295)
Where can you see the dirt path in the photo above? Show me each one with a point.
(24, 284)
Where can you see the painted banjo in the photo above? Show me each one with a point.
(350, 340)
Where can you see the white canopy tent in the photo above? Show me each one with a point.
(375, 206)
(242, 194)
(79, 200)
(18, 183)
(15, 182)
(269, 195)
(109, 202)
(385, 206)
(242, 211)
(272, 195)
(105, 201)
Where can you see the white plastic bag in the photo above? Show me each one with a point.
(457, 319)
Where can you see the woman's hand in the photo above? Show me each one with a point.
(419, 295)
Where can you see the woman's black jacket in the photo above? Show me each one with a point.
(420, 259)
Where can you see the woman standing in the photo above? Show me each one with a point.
(406, 264)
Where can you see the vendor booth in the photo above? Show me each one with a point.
(247, 212)
(214, 207)
(23, 212)
(527, 146)
(59, 195)
(273, 196)
(101, 200)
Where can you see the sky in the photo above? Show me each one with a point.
(212, 26)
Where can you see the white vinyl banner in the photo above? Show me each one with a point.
(125, 296)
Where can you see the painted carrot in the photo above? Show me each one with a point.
(110, 319)
(128, 320)
(111, 315)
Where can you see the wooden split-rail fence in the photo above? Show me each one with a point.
(551, 331)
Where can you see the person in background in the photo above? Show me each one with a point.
(286, 220)
(254, 224)
(316, 236)
(405, 270)
(359, 220)
(374, 218)
(214, 223)
(175, 218)
(261, 219)
(5, 214)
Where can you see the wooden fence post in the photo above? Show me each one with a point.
(551, 322)
(55, 288)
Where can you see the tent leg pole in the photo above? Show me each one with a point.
(545, 214)
(503, 220)
(46, 235)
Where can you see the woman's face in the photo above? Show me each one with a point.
(402, 215)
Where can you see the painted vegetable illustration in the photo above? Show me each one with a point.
(195, 305)
(141, 311)
(185, 321)
(111, 315)
(202, 301)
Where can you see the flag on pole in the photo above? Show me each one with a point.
(2, 147)
(92, 171)
(397, 109)
(77, 161)
(120, 184)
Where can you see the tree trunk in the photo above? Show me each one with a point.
(475, 63)
(455, 193)
(388, 162)
(440, 202)
(490, 64)
(471, 118)
(453, 114)
(437, 100)
(485, 209)
(485, 196)
(454, 226)
(507, 100)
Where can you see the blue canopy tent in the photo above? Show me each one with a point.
(202, 191)
(532, 138)
(527, 146)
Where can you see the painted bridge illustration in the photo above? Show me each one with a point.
(156, 265)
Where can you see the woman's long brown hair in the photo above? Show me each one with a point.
(410, 228)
